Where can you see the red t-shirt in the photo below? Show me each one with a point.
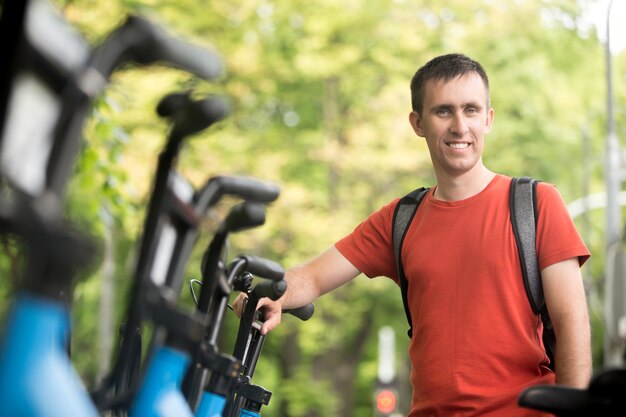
(476, 342)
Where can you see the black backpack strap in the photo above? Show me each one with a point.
(523, 208)
(402, 218)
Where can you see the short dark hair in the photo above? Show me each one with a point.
(445, 68)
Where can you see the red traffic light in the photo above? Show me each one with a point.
(386, 401)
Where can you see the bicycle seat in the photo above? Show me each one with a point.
(605, 396)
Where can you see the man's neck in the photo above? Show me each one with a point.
(460, 187)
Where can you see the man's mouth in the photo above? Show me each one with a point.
(458, 145)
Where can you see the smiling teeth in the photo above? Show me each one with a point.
(459, 145)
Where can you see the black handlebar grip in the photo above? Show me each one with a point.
(172, 103)
(156, 45)
(270, 289)
(559, 400)
(249, 188)
(303, 313)
(264, 268)
(244, 215)
(198, 115)
(190, 115)
(141, 41)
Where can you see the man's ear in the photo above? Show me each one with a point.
(489, 120)
(416, 123)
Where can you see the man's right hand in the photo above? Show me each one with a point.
(272, 311)
(306, 283)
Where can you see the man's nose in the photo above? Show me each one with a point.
(459, 125)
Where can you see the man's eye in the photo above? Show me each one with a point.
(443, 112)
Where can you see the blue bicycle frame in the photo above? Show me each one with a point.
(36, 376)
(248, 413)
(211, 405)
(160, 395)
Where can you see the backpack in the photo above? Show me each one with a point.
(522, 206)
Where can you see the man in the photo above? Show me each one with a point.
(476, 342)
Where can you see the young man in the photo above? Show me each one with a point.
(476, 342)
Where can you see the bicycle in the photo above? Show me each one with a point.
(175, 213)
(36, 375)
(210, 380)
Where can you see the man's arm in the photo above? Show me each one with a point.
(567, 305)
(305, 283)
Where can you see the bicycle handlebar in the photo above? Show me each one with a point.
(263, 268)
(603, 397)
(558, 399)
(303, 313)
(191, 116)
(140, 41)
(243, 216)
(246, 188)
(137, 40)
(270, 289)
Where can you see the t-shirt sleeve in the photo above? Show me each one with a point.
(557, 237)
(369, 246)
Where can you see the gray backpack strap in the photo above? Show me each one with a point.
(523, 220)
(402, 217)
(523, 208)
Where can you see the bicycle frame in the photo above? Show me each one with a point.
(48, 382)
(248, 398)
(170, 230)
(36, 375)
(160, 395)
(182, 335)
(222, 370)
(175, 213)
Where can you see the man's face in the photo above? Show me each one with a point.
(455, 118)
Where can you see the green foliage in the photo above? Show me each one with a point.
(319, 103)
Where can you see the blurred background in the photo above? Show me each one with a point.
(319, 94)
